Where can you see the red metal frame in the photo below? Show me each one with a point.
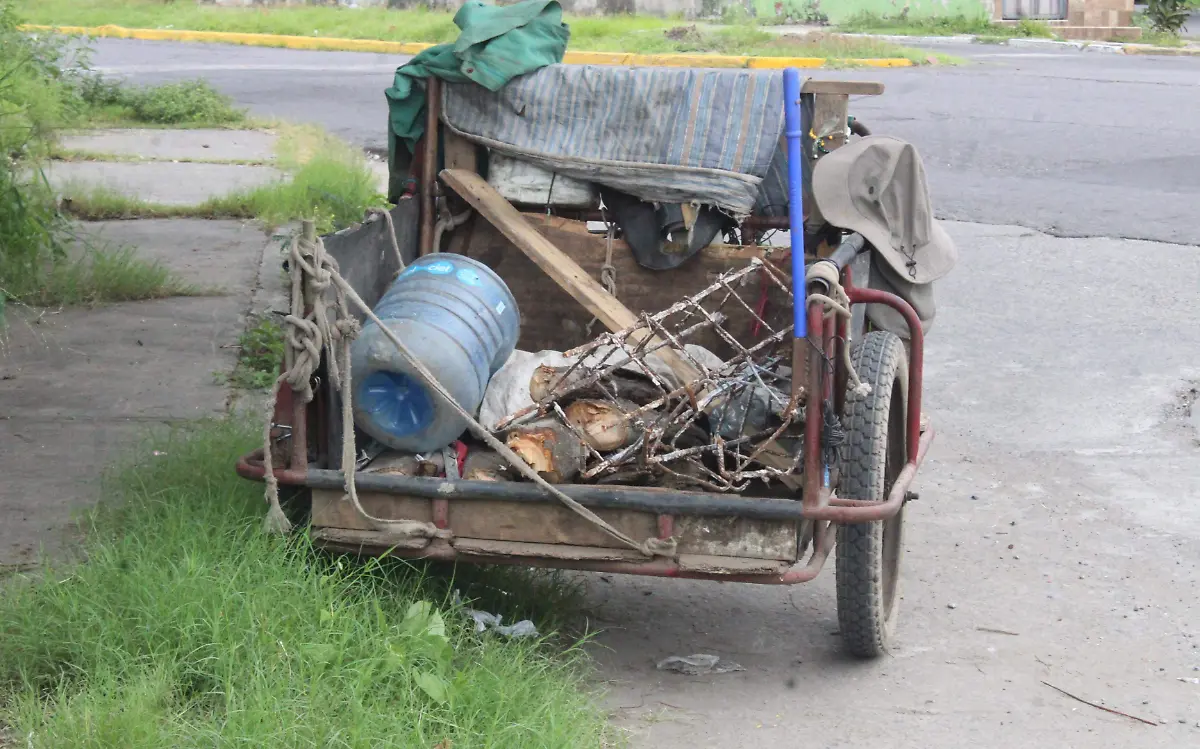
(817, 504)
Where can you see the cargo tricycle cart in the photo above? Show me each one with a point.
(586, 351)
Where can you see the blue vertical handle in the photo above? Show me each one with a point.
(794, 132)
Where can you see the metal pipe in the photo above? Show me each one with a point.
(849, 249)
(844, 511)
(814, 473)
(916, 355)
(794, 132)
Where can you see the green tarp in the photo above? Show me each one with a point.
(496, 45)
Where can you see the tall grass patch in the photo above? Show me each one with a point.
(189, 627)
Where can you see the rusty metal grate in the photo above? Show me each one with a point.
(657, 407)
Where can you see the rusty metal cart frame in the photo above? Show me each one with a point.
(820, 369)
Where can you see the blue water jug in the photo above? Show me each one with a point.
(459, 319)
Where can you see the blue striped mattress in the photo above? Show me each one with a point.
(668, 135)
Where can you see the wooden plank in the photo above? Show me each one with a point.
(329, 510)
(829, 119)
(558, 265)
(545, 523)
(849, 88)
(479, 547)
(458, 152)
(358, 542)
(738, 537)
(717, 565)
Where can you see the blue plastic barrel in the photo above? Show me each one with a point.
(459, 319)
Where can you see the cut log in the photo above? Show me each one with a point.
(485, 465)
(550, 448)
(404, 464)
(604, 423)
(550, 381)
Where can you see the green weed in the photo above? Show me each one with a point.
(260, 352)
(187, 626)
(617, 33)
(192, 103)
(870, 23)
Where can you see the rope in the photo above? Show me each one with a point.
(319, 271)
(608, 274)
(837, 303)
(313, 272)
(387, 218)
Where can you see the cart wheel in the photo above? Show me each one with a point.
(868, 554)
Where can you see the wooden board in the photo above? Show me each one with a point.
(552, 319)
(556, 264)
(480, 547)
(458, 152)
(329, 510)
(738, 537)
(849, 88)
(365, 541)
(545, 523)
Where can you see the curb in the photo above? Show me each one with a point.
(1112, 48)
(412, 48)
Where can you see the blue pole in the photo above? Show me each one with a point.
(794, 131)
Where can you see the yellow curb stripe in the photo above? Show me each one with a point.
(412, 48)
(1131, 49)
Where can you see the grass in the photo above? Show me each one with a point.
(1157, 38)
(189, 104)
(73, 154)
(102, 275)
(327, 180)
(620, 33)
(45, 87)
(868, 23)
(260, 352)
(189, 627)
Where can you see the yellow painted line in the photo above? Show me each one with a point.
(412, 48)
(1142, 49)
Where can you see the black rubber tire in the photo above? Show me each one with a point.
(869, 554)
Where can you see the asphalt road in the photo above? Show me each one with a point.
(1071, 143)
(1057, 537)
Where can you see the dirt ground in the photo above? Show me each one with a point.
(1055, 538)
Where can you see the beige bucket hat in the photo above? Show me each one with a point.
(876, 186)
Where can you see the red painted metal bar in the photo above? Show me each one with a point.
(813, 471)
(916, 356)
(846, 511)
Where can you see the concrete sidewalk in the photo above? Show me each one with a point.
(81, 385)
(172, 167)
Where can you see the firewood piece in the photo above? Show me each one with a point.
(604, 423)
(550, 448)
(548, 381)
(404, 464)
(485, 465)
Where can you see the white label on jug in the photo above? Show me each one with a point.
(440, 269)
(500, 308)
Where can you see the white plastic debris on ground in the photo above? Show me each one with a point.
(698, 665)
(485, 620)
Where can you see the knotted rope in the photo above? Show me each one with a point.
(313, 273)
(836, 303)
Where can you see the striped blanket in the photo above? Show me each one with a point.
(669, 135)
